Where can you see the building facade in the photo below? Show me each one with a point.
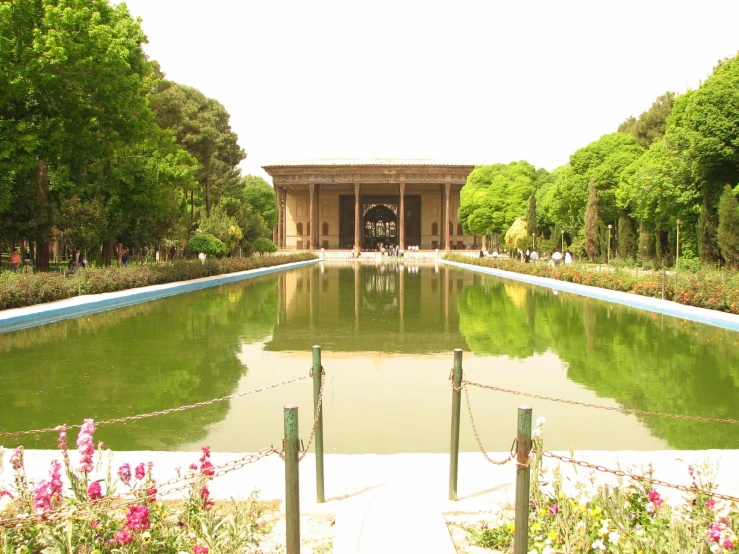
(400, 202)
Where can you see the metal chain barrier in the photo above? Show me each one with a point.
(621, 473)
(599, 406)
(184, 483)
(512, 453)
(162, 412)
(304, 451)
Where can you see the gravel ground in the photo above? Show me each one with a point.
(316, 533)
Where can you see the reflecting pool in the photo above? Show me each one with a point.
(387, 333)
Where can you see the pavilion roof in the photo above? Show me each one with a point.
(329, 162)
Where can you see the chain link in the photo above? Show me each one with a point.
(600, 406)
(162, 412)
(621, 473)
(78, 510)
(504, 461)
(304, 451)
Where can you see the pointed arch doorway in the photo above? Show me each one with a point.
(380, 225)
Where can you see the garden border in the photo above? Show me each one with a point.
(655, 305)
(15, 319)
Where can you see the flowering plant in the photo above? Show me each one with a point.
(107, 511)
(629, 518)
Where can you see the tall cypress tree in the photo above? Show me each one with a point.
(531, 217)
(626, 237)
(728, 227)
(591, 223)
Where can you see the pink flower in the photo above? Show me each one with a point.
(123, 537)
(194, 467)
(710, 503)
(205, 497)
(655, 498)
(197, 549)
(728, 545)
(137, 518)
(85, 446)
(124, 473)
(94, 523)
(714, 533)
(16, 460)
(206, 468)
(151, 493)
(140, 471)
(94, 491)
(62, 440)
(46, 493)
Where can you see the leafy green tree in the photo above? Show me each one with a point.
(260, 199)
(80, 224)
(495, 196)
(207, 244)
(201, 126)
(728, 226)
(71, 83)
(708, 247)
(263, 246)
(222, 226)
(650, 126)
(627, 244)
(591, 223)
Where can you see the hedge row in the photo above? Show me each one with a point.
(19, 289)
(715, 290)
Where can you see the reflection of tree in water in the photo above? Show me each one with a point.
(644, 361)
(159, 355)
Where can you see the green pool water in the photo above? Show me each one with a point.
(387, 333)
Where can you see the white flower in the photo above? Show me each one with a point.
(598, 545)
(5, 501)
(541, 420)
(534, 551)
(613, 537)
(715, 548)
(536, 433)
(548, 550)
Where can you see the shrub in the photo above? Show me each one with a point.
(715, 290)
(18, 290)
(207, 244)
(263, 246)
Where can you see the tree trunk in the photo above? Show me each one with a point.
(42, 257)
(207, 196)
(108, 252)
(192, 206)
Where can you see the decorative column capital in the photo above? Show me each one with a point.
(447, 188)
(402, 188)
(356, 189)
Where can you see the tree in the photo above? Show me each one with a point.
(71, 74)
(263, 246)
(591, 223)
(207, 244)
(515, 233)
(201, 126)
(650, 126)
(531, 216)
(708, 247)
(260, 199)
(627, 244)
(728, 226)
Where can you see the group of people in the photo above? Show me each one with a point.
(533, 256)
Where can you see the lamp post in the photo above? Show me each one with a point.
(608, 256)
(534, 239)
(677, 248)
(563, 240)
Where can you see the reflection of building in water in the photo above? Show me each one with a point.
(399, 202)
(354, 306)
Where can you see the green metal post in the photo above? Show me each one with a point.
(523, 479)
(456, 406)
(318, 439)
(292, 481)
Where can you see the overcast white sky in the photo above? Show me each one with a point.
(482, 82)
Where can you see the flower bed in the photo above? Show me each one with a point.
(629, 518)
(18, 290)
(98, 510)
(715, 290)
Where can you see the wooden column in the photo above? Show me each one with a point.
(401, 222)
(278, 228)
(447, 219)
(357, 220)
(312, 215)
(283, 209)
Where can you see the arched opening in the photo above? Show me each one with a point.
(380, 226)
(434, 228)
(299, 229)
(324, 228)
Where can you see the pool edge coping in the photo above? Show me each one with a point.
(715, 318)
(16, 319)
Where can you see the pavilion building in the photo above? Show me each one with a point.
(365, 204)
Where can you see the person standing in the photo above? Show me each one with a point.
(568, 258)
(125, 257)
(15, 260)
